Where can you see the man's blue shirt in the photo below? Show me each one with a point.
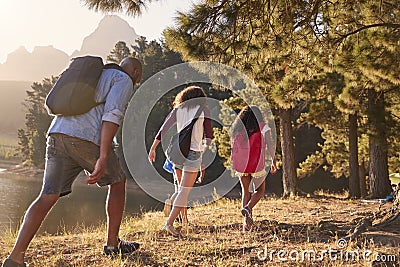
(115, 88)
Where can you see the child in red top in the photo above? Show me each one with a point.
(251, 136)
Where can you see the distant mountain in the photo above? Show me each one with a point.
(45, 61)
(111, 29)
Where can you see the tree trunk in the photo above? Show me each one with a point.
(354, 179)
(363, 180)
(288, 156)
(378, 167)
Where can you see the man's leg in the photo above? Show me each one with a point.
(33, 219)
(114, 208)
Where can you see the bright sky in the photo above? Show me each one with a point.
(65, 23)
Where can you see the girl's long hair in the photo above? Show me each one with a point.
(248, 119)
(195, 94)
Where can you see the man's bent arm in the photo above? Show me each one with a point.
(108, 131)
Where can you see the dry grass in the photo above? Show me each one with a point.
(214, 237)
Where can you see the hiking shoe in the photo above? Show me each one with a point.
(124, 248)
(246, 228)
(10, 263)
(246, 212)
(171, 230)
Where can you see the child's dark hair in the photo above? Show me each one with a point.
(191, 93)
(249, 118)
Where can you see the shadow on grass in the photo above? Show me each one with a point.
(321, 231)
(144, 259)
(216, 228)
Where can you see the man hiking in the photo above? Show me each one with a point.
(84, 142)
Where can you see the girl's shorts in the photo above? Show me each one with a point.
(256, 179)
(192, 162)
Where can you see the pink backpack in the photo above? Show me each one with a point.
(248, 154)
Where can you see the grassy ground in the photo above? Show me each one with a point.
(297, 226)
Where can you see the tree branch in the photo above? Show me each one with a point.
(389, 25)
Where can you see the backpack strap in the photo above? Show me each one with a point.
(196, 116)
(116, 67)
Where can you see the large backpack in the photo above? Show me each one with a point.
(248, 153)
(74, 92)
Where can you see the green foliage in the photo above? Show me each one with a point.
(120, 51)
(222, 141)
(155, 57)
(131, 7)
(269, 41)
(262, 39)
(32, 139)
(320, 57)
(363, 51)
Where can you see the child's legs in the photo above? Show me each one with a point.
(246, 195)
(257, 195)
(183, 211)
(181, 199)
(178, 177)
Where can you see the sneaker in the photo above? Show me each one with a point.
(179, 219)
(246, 228)
(124, 248)
(10, 263)
(246, 212)
(171, 230)
(167, 207)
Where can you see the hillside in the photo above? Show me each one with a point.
(43, 61)
(297, 226)
(47, 61)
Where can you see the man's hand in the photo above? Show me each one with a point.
(98, 171)
(108, 131)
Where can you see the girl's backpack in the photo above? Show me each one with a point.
(248, 153)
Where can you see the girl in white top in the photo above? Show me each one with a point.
(186, 105)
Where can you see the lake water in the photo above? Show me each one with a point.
(84, 206)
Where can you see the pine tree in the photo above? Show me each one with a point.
(120, 51)
(268, 41)
(368, 35)
(393, 108)
(32, 139)
(131, 7)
